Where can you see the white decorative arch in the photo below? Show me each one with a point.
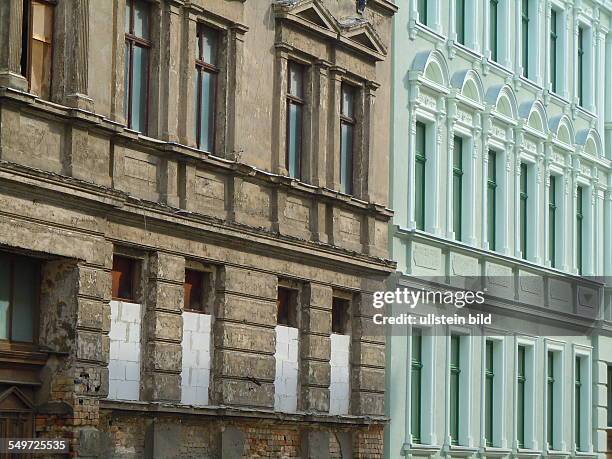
(591, 142)
(432, 66)
(503, 99)
(535, 115)
(469, 84)
(563, 128)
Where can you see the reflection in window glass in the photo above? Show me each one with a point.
(347, 133)
(206, 87)
(295, 107)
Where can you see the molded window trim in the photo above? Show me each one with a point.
(206, 80)
(582, 395)
(525, 383)
(554, 413)
(425, 428)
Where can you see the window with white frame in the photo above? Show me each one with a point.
(492, 199)
(554, 397)
(529, 54)
(584, 65)
(457, 185)
(459, 388)
(494, 370)
(554, 45)
(422, 167)
(460, 21)
(493, 29)
(580, 235)
(523, 209)
(582, 402)
(421, 385)
(552, 220)
(609, 395)
(525, 394)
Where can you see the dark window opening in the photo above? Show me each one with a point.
(124, 271)
(19, 288)
(197, 289)
(340, 316)
(286, 307)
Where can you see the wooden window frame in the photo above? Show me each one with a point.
(292, 305)
(9, 342)
(26, 42)
(135, 276)
(346, 120)
(132, 41)
(300, 101)
(345, 301)
(213, 69)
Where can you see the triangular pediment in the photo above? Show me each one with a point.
(308, 13)
(363, 35)
(13, 399)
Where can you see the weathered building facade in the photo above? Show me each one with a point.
(193, 218)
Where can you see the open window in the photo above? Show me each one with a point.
(37, 45)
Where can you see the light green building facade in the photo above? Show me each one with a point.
(501, 177)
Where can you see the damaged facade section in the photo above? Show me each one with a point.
(183, 275)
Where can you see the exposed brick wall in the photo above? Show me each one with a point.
(369, 443)
(268, 441)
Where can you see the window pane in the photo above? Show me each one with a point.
(24, 300)
(459, 20)
(520, 406)
(457, 185)
(348, 101)
(493, 28)
(126, 82)
(489, 378)
(5, 295)
(419, 190)
(141, 19)
(346, 158)
(415, 403)
(207, 112)
(552, 196)
(128, 7)
(296, 80)
(454, 389)
(422, 9)
(523, 210)
(294, 139)
(139, 88)
(209, 45)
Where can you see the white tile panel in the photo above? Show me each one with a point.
(124, 357)
(286, 378)
(195, 374)
(339, 388)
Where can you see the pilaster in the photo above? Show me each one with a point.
(11, 22)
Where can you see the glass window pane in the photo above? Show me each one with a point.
(296, 80)
(139, 88)
(348, 101)
(207, 112)
(294, 139)
(346, 158)
(24, 299)
(128, 7)
(209, 45)
(141, 19)
(126, 81)
(459, 20)
(5, 295)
